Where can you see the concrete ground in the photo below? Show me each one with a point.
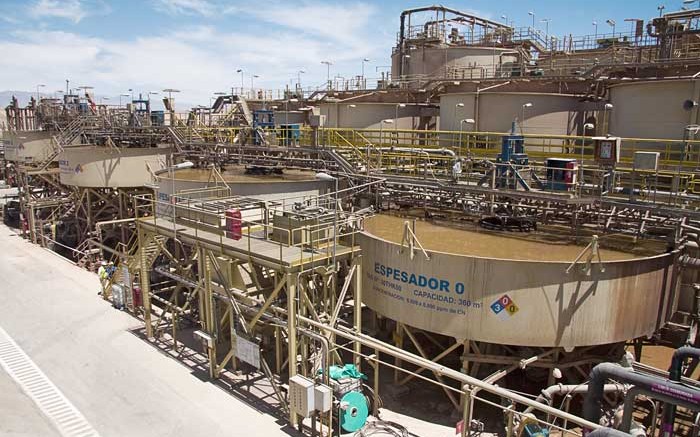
(120, 383)
(19, 416)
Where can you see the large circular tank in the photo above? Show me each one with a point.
(291, 183)
(550, 114)
(459, 62)
(105, 167)
(497, 289)
(28, 146)
(369, 115)
(653, 109)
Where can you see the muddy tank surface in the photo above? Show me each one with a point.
(514, 290)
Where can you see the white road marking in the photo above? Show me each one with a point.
(44, 393)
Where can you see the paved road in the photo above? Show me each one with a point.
(121, 384)
(18, 413)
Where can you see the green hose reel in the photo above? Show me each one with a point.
(355, 415)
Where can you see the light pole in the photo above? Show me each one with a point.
(532, 14)
(611, 23)
(522, 123)
(103, 98)
(131, 90)
(41, 85)
(457, 107)
(326, 177)
(287, 130)
(120, 98)
(299, 73)
(240, 70)
(461, 126)
(595, 26)
(381, 125)
(252, 88)
(396, 115)
(546, 29)
(155, 93)
(587, 126)
(606, 119)
(403, 64)
(661, 9)
(328, 72)
(364, 83)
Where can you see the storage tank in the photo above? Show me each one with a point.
(28, 146)
(653, 109)
(485, 287)
(272, 186)
(493, 111)
(473, 62)
(368, 115)
(104, 167)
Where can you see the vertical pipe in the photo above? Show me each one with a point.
(145, 283)
(291, 333)
(358, 308)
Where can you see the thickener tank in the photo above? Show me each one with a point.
(28, 146)
(105, 167)
(289, 183)
(654, 109)
(493, 111)
(468, 62)
(516, 292)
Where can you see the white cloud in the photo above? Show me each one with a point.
(200, 60)
(68, 9)
(188, 7)
(334, 21)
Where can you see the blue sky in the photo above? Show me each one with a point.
(197, 45)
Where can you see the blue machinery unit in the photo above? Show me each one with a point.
(263, 119)
(511, 157)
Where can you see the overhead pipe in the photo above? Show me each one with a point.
(441, 151)
(607, 432)
(548, 393)
(679, 393)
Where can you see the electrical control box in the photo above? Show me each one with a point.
(317, 120)
(301, 395)
(607, 150)
(646, 161)
(323, 398)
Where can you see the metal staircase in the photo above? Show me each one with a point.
(60, 141)
(128, 263)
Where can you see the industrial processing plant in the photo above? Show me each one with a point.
(499, 235)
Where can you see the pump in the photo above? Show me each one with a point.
(511, 157)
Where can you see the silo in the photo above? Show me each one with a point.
(494, 111)
(653, 109)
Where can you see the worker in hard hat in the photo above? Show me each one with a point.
(456, 170)
(103, 275)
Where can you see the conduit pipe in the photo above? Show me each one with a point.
(548, 393)
(607, 432)
(675, 373)
(679, 393)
